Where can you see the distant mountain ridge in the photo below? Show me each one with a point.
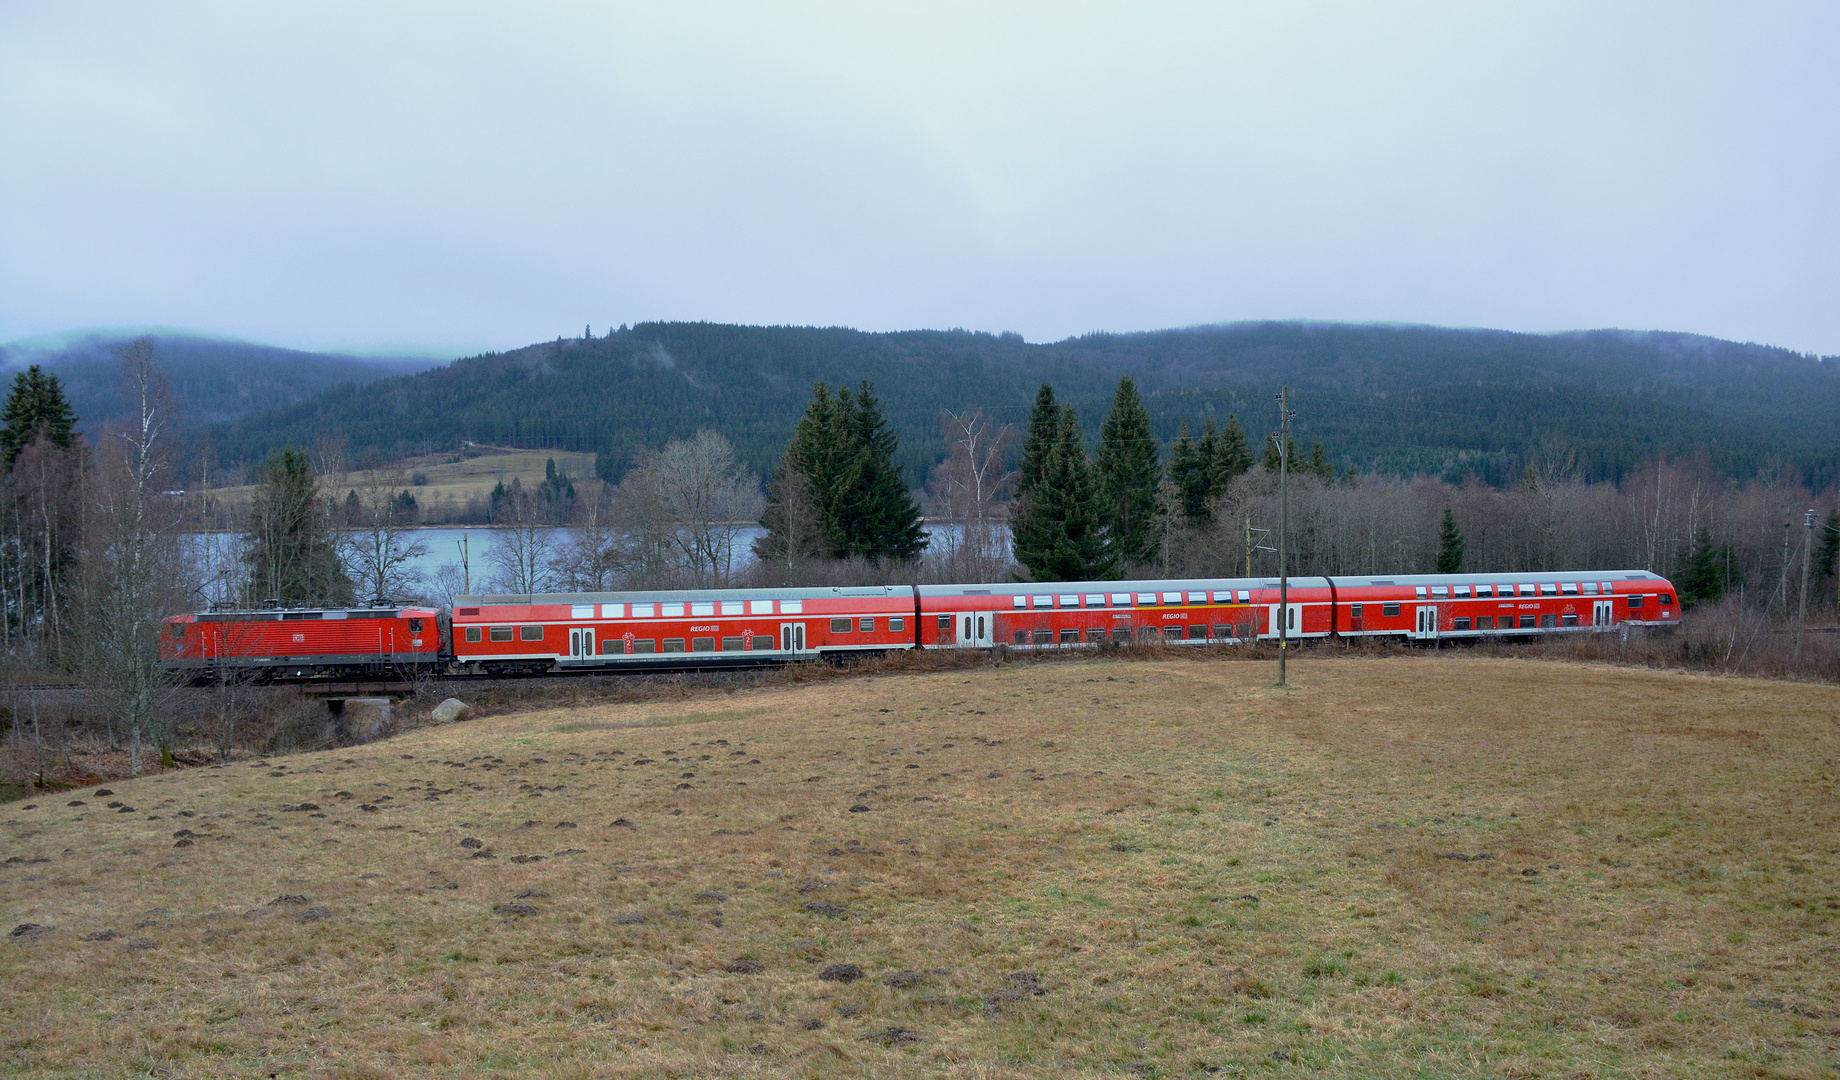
(212, 379)
(1401, 399)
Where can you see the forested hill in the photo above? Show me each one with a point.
(212, 379)
(1405, 399)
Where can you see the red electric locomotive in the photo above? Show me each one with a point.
(301, 644)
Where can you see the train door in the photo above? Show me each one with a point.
(974, 629)
(1603, 613)
(1427, 627)
(581, 643)
(1291, 625)
(792, 638)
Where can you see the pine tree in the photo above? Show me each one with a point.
(1450, 543)
(290, 555)
(35, 407)
(1231, 458)
(1708, 570)
(1129, 468)
(1318, 465)
(1191, 471)
(1044, 429)
(1063, 536)
(876, 514)
(1827, 559)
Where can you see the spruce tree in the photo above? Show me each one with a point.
(35, 407)
(1044, 429)
(1129, 468)
(1829, 554)
(1450, 543)
(1707, 574)
(1191, 471)
(290, 554)
(1063, 537)
(1231, 458)
(875, 513)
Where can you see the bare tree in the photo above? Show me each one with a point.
(970, 489)
(379, 548)
(522, 548)
(593, 556)
(135, 571)
(685, 506)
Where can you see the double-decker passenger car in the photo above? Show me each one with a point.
(675, 630)
(1417, 607)
(302, 643)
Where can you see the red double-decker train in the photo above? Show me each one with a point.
(641, 631)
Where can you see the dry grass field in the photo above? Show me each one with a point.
(1402, 867)
(449, 482)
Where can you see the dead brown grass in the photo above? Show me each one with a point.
(1198, 873)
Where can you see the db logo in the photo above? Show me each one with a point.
(300, 637)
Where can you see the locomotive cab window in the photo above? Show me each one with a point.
(1667, 599)
(1635, 602)
(472, 633)
(415, 626)
(178, 629)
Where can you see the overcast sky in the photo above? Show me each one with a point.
(449, 177)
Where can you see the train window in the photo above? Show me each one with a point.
(613, 611)
(1223, 596)
(1020, 601)
(1485, 590)
(1197, 598)
(1420, 590)
(530, 633)
(1146, 633)
(1568, 588)
(1459, 623)
(731, 607)
(673, 644)
(867, 625)
(945, 624)
(1070, 637)
(1146, 599)
(415, 626)
(704, 610)
(1245, 597)
(1070, 599)
(1044, 601)
(671, 611)
(1044, 637)
(1121, 635)
(703, 644)
(1440, 592)
(1485, 622)
(1172, 599)
(178, 630)
(1172, 633)
(1459, 590)
(1635, 602)
(1529, 590)
(731, 644)
(1549, 620)
(581, 611)
(644, 611)
(612, 646)
(1095, 634)
(760, 607)
(1568, 620)
(1354, 611)
(1548, 588)
(1390, 611)
(1095, 599)
(841, 626)
(1667, 599)
(896, 625)
(472, 633)
(792, 607)
(1527, 622)
(1121, 599)
(501, 633)
(1022, 637)
(1222, 631)
(644, 645)
(1197, 632)
(1590, 588)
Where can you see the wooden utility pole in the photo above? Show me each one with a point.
(1284, 527)
(1801, 622)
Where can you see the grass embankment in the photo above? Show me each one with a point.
(1402, 867)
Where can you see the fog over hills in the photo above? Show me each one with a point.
(212, 379)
